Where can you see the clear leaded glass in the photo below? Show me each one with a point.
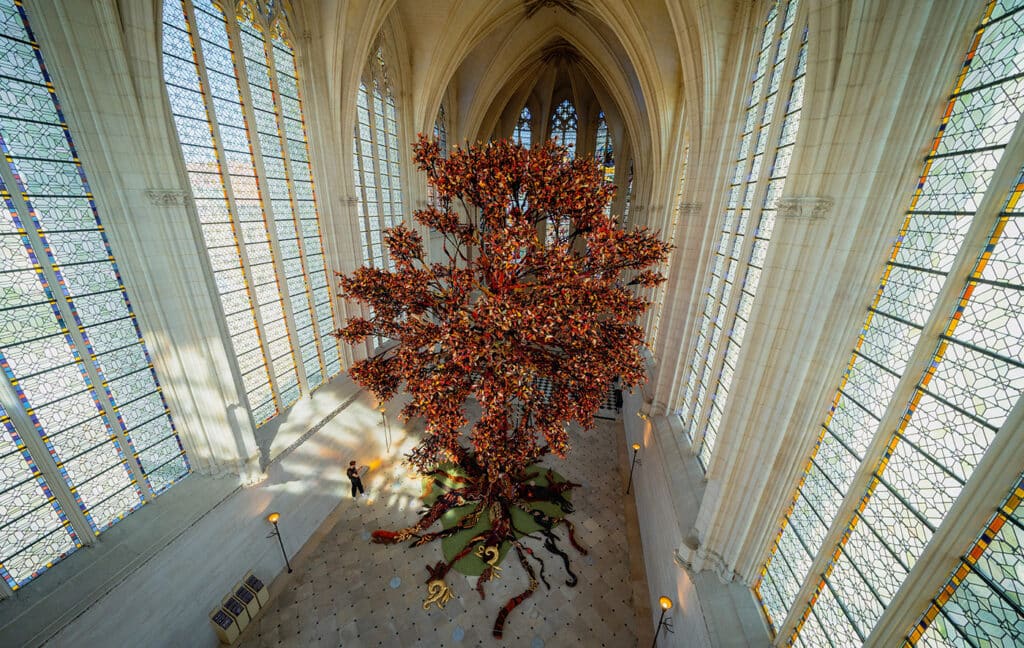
(78, 372)
(376, 161)
(311, 238)
(982, 603)
(375, 165)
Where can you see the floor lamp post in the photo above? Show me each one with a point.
(636, 450)
(387, 428)
(666, 605)
(273, 518)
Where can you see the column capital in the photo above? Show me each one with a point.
(168, 197)
(805, 207)
(688, 208)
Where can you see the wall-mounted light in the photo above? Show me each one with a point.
(387, 428)
(273, 518)
(636, 450)
(666, 605)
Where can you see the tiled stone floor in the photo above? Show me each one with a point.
(346, 591)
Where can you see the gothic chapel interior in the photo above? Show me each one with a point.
(831, 436)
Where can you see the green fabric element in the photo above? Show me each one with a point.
(471, 564)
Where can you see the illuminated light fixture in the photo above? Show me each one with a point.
(666, 605)
(273, 518)
(636, 450)
(387, 427)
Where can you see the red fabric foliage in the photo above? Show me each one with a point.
(503, 309)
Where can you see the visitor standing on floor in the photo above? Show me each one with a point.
(353, 475)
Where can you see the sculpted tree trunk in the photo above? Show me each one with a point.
(531, 314)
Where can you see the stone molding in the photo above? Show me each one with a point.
(692, 556)
(687, 209)
(168, 197)
(805, 207)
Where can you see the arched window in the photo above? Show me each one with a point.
(85, 433)
(524, 129)
(746, 227)
(377, 174)
(907, 447)
(441, 137)
(563, 126)
(441, 129)
(658, 300)
(234, 96)
(605, 154)
(629, 196)
(563, 131)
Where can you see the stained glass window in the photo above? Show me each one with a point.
(317, 277)
(563, 131)
(773, 106)
(956, 407)
(81, 402)
(441, 129)
(629, 195)
(524, 128)
(605, 154)
(249, 170)
(376, 165)
(982, 603)
(34, 532)
(563, 126)
(658, 299)
(441, 137)
(376, 162)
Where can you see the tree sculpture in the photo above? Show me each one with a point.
(507, 308)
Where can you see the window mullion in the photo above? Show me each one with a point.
(360, 168)
(729, 292)
(378, 108)
(375, 105)
(709, 365)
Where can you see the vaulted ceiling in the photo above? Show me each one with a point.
(653, 63)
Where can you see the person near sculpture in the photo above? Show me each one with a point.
(353, 475)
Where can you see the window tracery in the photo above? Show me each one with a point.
(441, 129)
(524, 128)
(564, 123)
(605, 153)
(376, 164)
